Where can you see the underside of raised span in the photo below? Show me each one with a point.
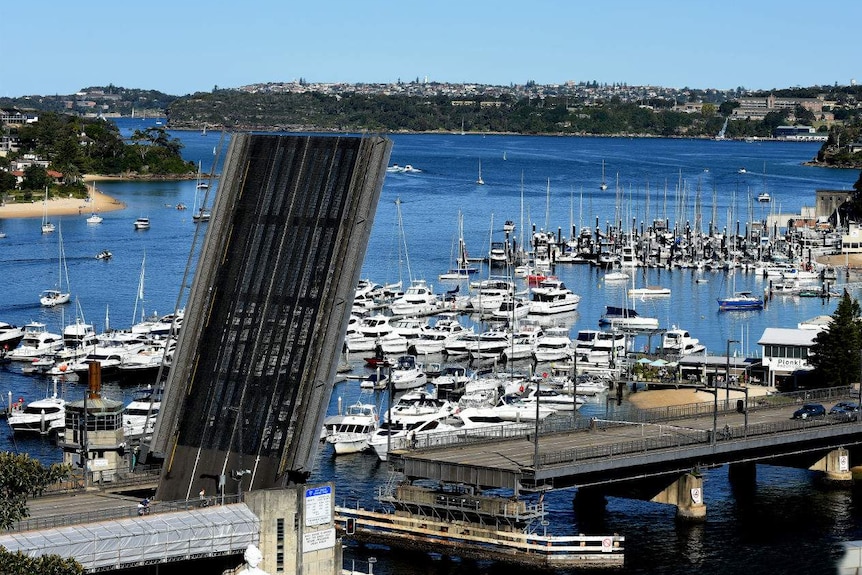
(267, 312)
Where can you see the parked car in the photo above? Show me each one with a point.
(809, 410)
(845, 410)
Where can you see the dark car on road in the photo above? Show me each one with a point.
(845, 410)
(809, 410)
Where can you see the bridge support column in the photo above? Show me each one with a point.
(589, 502)
(742, 474)
(836, 465)
(687, 494)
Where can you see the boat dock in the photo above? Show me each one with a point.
(473, 541)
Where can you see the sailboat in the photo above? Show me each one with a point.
(94, 218)
(200, 213)
(201, 184)
(479, 180)
(462, 269)
(47, 227)
(740, 300)
(604, 184)
(52, 297)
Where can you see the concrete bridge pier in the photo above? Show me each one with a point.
(687, 494)
(742, 473)
(589, 502)
(836, 466)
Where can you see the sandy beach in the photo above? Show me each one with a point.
(65, 206)
(667, 397)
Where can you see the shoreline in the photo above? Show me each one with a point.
(100, 203)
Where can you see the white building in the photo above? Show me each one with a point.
(785, 352)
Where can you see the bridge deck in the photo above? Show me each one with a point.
(609, 451)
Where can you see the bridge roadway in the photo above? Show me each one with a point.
(673, 440)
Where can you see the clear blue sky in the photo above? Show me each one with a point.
(184, 46)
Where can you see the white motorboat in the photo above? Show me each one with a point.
(524, 340)
(148, 360)
(397, 435)
(679, 341)
(649, 291)
(489, 294)
(490, 344)
(37, 341)
(43, 416)
(418, 299)
(78, 339)
(585, 340)
(434, 338)
(515, 410)
(161, 326)
(554, 345)
(512, 308)
(551, 398)
(552, 296)
(626, 318)
(142, 223)
(139, 416)
(349, 432)
(616, 276)
(407, 373)
(452, 378)
(10, 336)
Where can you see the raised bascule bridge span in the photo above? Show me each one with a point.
(267, 313)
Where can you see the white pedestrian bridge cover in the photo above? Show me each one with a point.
(163, 537)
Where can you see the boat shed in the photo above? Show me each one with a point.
(151, 539)
(785, 352)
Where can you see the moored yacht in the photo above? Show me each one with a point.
(552, 296)
(554, 345)
(349, 431)
(139, 416)
(10, 336)
(679, 341)
(43, 416)
(418, 299)
(37, 341)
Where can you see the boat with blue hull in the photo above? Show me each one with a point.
(740, 301)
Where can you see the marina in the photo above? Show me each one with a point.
(428, 238)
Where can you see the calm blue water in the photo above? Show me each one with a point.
(788, 525)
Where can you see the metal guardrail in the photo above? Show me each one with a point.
(669, 437)
(132, 510)
(565, 423)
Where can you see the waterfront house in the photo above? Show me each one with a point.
(785, 353)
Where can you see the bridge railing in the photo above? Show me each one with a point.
(647, 417)
(663, 437)
(132, 510)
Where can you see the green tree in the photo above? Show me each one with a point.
(19, 564)
(836, 349)
(35, 178)
(20, 476)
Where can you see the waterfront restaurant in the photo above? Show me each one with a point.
(785, 353)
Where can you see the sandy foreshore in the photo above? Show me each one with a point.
(667, 397)
(65, 206)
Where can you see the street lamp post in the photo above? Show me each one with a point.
(727, 373)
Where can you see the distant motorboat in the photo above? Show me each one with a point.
(649, 291)
(142, 223)
(104, 255)
(763, 197)
(742, 171)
